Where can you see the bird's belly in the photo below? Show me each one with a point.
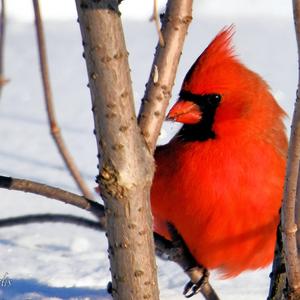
(229, 243)
(227, 213)
(231, 249)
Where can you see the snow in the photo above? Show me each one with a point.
(59, 261)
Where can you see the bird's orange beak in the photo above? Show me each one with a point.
(186, 112)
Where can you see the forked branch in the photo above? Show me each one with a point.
(158, 93)
(174, 252)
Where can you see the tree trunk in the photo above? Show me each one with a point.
(126, 165)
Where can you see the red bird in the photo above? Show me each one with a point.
(219, 181)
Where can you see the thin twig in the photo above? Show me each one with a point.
(53, 193)
(155, 18)
(158, 92)
(289, 226)
(54, 128)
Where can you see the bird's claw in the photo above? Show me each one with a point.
(193, 288)
(180, 253)
(189, 290)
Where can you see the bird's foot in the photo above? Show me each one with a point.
(199, 277)
(180, 253)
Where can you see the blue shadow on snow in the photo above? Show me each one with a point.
(20, 287)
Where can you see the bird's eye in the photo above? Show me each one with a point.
(214, 99)
(217, 98)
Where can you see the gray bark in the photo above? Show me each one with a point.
(126, 165)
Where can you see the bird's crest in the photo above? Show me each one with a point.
(219, 51)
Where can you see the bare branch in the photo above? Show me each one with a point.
(158, 92)
(155, 18)
(53, 193)
(126, 166)
(289, 227)
(54, 128)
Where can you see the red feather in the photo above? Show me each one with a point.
(223, 194)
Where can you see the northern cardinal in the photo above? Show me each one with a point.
(219, 181)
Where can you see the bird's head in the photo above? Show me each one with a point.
(217, 90)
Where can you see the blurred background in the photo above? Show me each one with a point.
(136, 9)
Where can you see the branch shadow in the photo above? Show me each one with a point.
(30, 289)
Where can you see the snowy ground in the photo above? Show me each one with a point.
(47, 261)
